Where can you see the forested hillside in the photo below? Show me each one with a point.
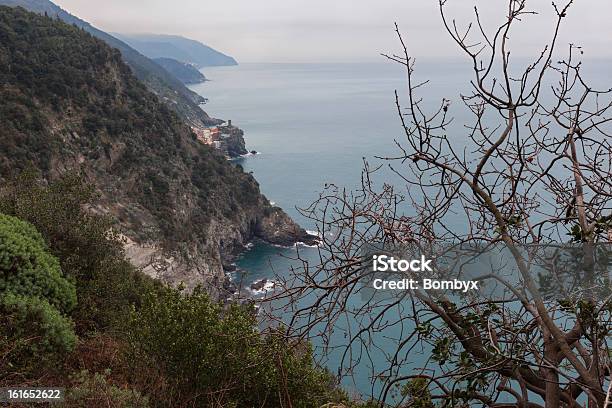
(69, 102)
(90, 159)
(177, 47)
(168, 88)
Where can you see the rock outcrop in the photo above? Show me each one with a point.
(276, 227)
(233, 143)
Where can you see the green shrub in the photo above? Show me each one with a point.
(28, 269)
(35, 326)
(58, 210)
(218, 354)
(94, 390)
(87, 248)
(34, 296)
(417, 390)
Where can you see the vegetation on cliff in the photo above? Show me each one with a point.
(94, 324)
(169, 89)
(88, 157)
(69, 101)
(34, 297)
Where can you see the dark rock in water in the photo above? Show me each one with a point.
(279, 229)
(229, 267)
(253, 151)
(259, 285)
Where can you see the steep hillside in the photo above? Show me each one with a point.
(176, 47)
(68, 101)
(171, 90)
(186, 73)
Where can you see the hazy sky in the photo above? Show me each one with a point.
(336, 30)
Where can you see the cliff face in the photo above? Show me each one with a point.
(233, 141)
(68, 102)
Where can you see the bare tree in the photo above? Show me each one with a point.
(534, 170)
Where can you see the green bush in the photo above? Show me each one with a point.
(87, 248)
(218, 355)
(199, 352)
(28, 269)
(94, 390)
(34, 296)
(417, 390)
(58, 210)
(35, 328)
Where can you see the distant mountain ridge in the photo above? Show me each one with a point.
(185, 72)
(178, 48)
(168, 88)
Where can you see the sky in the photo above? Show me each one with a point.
(341, 30)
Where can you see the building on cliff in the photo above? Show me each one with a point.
(207, 135)
(226, 138)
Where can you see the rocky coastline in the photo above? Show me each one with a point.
(208, 264)
(234, 144)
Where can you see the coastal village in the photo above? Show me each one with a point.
(225, 137)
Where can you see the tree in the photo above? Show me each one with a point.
(139, 340)
(85, 243)
(533, 182)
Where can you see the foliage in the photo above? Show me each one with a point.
(417, 390)
(84, 242)
(26, 268)
(80, 238)
(185, 72)
(200, 349)
(507, 196)
(34, 294)
(35, 329)
(215, 354)
(94, 390)
(69, 99)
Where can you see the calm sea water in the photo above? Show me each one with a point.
(314, 124)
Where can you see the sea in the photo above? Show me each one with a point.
(315, 124)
